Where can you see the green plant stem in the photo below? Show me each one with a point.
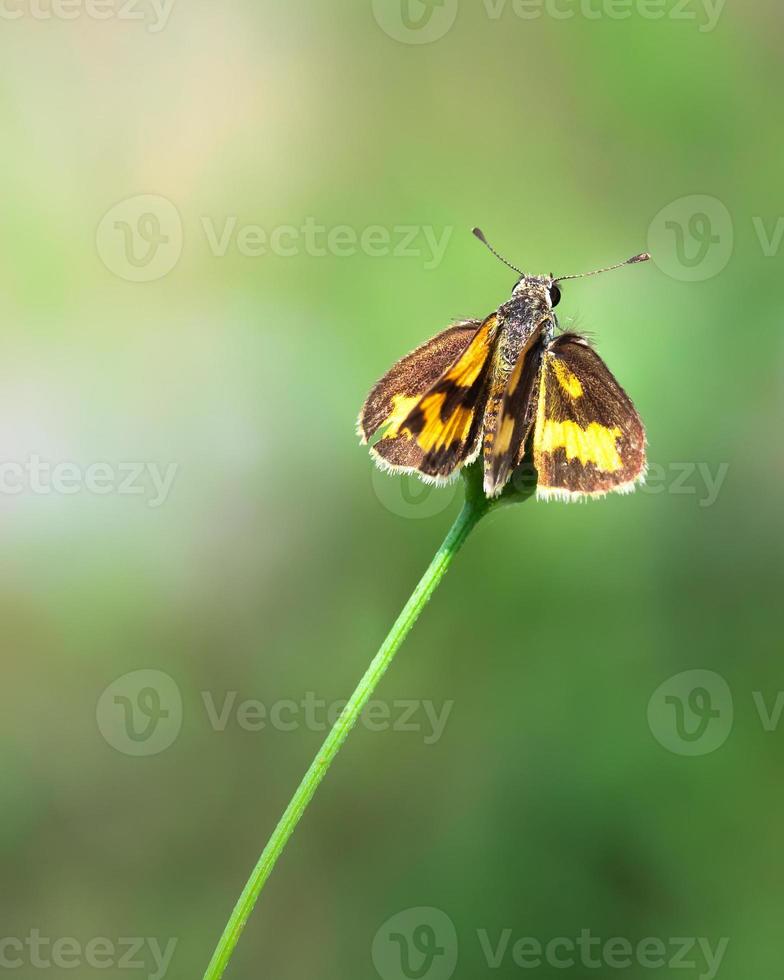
(474, 508)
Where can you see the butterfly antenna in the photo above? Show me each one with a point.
(642, 257)
(481, 236)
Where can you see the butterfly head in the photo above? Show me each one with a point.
(540, 291)
(544, 291)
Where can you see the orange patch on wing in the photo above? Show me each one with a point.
(504, 438)
(468, 368)
(401, 406)
(438, 433)
(593, 444)
(568, 381)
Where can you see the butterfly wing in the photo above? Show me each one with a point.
(413, 376)
(588, 438)
(433, 428)
(506, 432)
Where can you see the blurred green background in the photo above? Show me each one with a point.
(193, 276)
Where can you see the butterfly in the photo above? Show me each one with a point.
(505, 385)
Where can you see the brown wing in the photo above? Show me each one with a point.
(412, 376)
(588, 437)
(438, 432)
(507, 430)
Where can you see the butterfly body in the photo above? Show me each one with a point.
(528, 311)
(503, 386)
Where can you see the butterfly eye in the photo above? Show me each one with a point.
(555, 294)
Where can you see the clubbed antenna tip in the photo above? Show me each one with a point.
(642, 257)
(481, 236)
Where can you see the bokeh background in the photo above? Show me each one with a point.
(159, 311)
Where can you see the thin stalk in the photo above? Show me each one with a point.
(473, 509)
